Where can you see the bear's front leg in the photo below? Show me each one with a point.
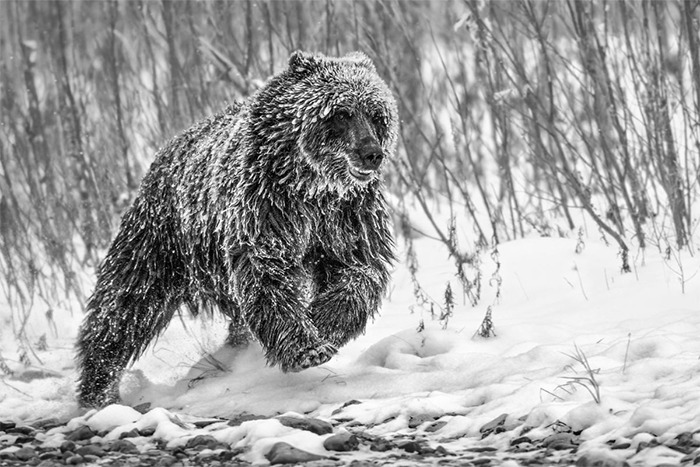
(348, 296)
(270, 292)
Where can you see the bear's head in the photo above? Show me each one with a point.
(342, 114)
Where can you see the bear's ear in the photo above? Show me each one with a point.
(303, 62)
(360, 59)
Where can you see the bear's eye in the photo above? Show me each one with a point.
(339, 122)
(341, 117)
(379, 124)
(378, 121)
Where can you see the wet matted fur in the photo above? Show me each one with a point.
(270, 211)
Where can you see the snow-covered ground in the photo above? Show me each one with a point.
(639, 332)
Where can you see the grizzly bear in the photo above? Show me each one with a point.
(271, 212)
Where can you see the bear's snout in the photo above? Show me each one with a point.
(370, 155)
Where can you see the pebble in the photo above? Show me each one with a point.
(561, 441)
(244, 418)
(166, 461)
(410, 446)
(314, 425)
(48, 455)
(147, 432)
(435, 426)
(520, 440)
(206, 422)
(75, 460)
(21, 439)
(130, 434)
(82, 433)
(48, 463)
(22, 430)
(47, 423)
(414, 421)
(348, 403)
(341, 442)
(283, 453)
(599, 459)
(381, 445)
(90, 450)
(495, 425)
(203, 442)
(143, 408)
(67, 446)
(6, 425)
(24, 454)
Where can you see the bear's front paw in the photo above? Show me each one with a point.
(310, 357)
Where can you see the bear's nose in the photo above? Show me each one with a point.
(371, 156)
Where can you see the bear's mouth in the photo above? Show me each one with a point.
(362, 175)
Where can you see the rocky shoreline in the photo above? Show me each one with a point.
(348, 444)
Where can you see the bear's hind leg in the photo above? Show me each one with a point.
(114, 334)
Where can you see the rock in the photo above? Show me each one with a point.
(494, 426)
(599, 459)
(6, 425)
(283, 453)
(204, 455)
(227, 456)
(146, 432)
(520, 440)
(621, 446)
(90, 458)
(482, 461)
(348, 403)
(561, 441)
(48, 463)
(203, 441)
(67, 446)
(684, 443)
(482, 449)
(48, 455)
(244, 418)
(314, 425)
(341, 442)
(124, 446)
(24, 454)
(440, 451)
(143, 408)
(75, 460)
(381, 445)
(82, 433)
(22, 430)
(207, 422)
(410, 446)
(90, 450)
(46, 424)
(436, 426)
(414, 421)
(22, 439)
(134, 433)
(166, 460)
